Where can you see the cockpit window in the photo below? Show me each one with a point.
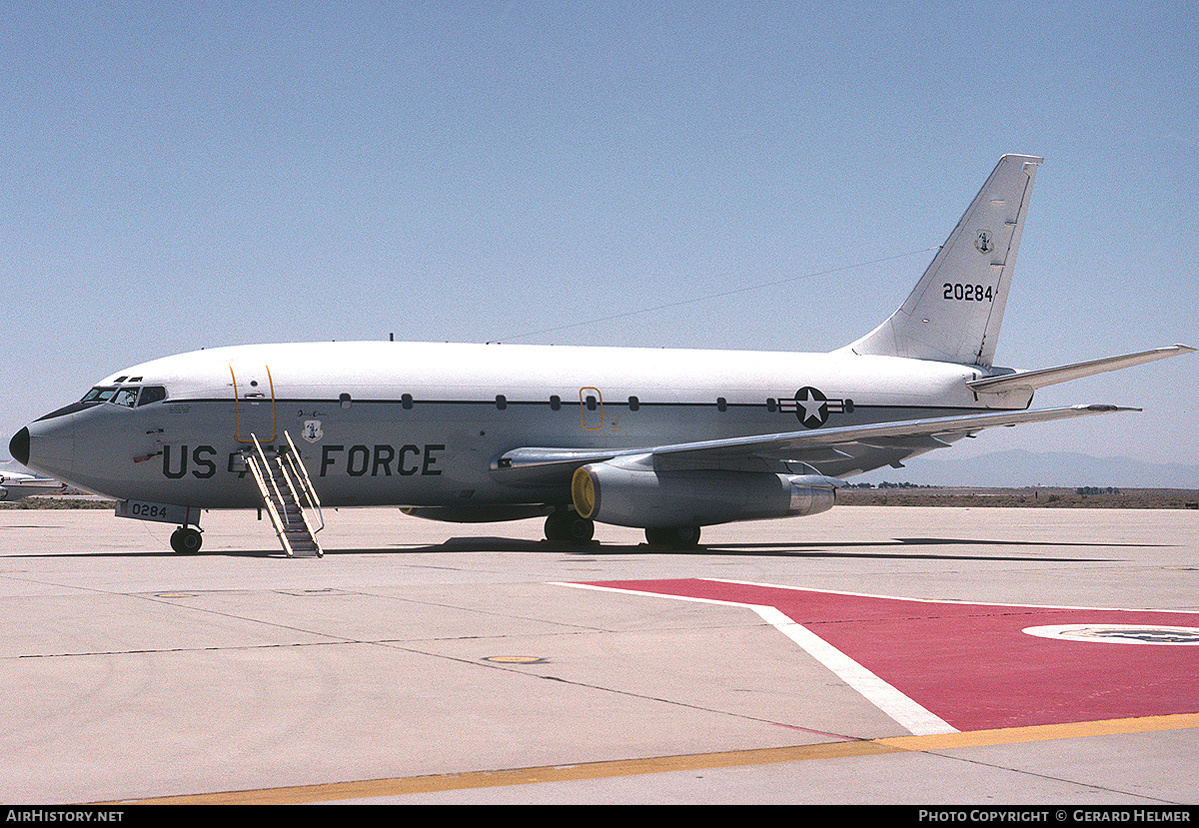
(99, 394)
(128, 396)
(152, 393)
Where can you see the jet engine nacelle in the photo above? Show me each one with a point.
(631, 494)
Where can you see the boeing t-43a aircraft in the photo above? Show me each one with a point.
(664, 440)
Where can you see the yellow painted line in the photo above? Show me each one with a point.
(525, 776)
(1043, 733)
(665, 764)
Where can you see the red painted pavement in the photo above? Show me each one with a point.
(971, 665)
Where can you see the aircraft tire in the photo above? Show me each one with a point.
(569, 527)
(186, 541)
(675, 537)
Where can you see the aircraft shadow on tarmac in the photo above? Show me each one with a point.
(814, 549)
(893, 549)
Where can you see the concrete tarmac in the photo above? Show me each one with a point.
(420, 662)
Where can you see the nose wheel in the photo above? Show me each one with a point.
(186, 541)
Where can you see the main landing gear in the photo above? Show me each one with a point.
(186, 540)
(674, 537)
(567, 526)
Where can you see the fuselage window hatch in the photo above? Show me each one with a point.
(591, 408)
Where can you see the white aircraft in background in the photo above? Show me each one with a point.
(15, 485)
(664, 440)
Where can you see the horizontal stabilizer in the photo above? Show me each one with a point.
(1032, 380)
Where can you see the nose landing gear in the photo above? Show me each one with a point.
(186, 540)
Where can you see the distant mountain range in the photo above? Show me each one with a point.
(1019, 468)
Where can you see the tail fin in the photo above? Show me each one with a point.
(955, 311)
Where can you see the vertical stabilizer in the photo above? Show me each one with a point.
(955, 311)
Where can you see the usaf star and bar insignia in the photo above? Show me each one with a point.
(813, 408)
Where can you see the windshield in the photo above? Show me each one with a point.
(129, 396)
(98, 394)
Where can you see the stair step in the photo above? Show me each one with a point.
(276, 488)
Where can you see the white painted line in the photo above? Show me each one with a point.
(955, 602)
(916, 719)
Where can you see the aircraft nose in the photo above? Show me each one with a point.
(18, 447)
(47, 446)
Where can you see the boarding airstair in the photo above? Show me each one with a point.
(287, 495)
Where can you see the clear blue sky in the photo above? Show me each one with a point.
(181, 175)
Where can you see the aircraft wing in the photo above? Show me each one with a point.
(863, 446)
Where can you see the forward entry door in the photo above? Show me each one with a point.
(253, 403)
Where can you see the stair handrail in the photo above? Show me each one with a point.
(314, 501)
(284, 463)
(252, 463)
(274, 485)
